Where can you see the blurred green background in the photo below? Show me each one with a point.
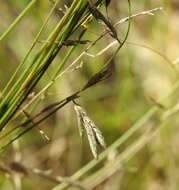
(143, 75)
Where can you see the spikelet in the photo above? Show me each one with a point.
(94, 135)
(102, 75)
(79, 120)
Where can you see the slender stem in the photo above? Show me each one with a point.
(31, 48)
(42, 61)
(17, 20)
(84, 53)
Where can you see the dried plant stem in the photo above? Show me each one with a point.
(16, 167)
(148, 12)
(59, 179)
(115, 42)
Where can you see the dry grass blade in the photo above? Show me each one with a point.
(99, 16)
(103, 74)
(75, 42)
(68, 42)
(94, 135)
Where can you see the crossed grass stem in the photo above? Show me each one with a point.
(43, 71)
(103, 74)
(85, 52)
(12, 101)
(34, 121)
(33, 76)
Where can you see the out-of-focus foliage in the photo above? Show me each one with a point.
(145, 70)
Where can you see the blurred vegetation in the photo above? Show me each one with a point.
(145, 72)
